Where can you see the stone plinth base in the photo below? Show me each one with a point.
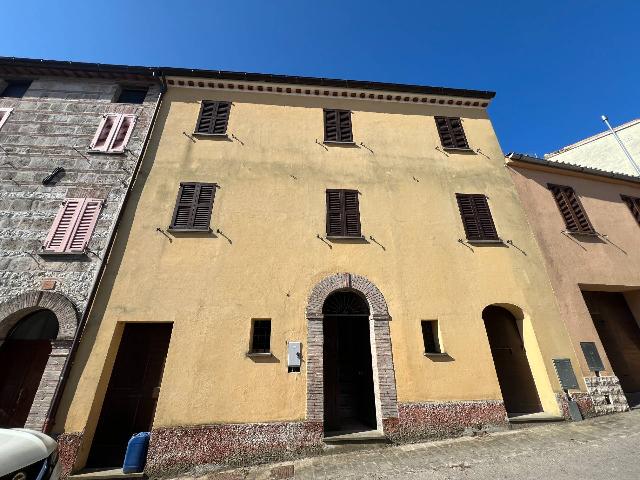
(433, 420)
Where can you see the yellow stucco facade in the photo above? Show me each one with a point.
(264, 256)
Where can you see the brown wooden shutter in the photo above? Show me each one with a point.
(451, 132)
(337, 126)
(476, 217)
(574, 216)
(634, 206)
(334, 213)
(351, 213)
(343, 213)
(213, 118)
(193, 206)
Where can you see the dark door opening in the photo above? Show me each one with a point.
(349, 404)
(130, 400)
(620, 337)
(509, 357)
(23, 356)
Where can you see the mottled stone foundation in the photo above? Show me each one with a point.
(68, 448)
(584, 401)
(606, 394)
(178, 449)
(433, 420)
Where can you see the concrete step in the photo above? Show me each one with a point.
(530, 419)
(104, 474)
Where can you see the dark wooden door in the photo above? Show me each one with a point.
(348, 376)
(130, 401)
(619, 334)
(510, 360)
(22, 365)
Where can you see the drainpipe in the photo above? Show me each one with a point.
(57, 394)
(624, 149)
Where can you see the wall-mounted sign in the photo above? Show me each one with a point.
(565, 373)
(594, 362)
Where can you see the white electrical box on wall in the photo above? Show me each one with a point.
(294, 354)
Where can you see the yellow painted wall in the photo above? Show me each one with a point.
(271, 206)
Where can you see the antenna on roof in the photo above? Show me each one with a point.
(624, 149)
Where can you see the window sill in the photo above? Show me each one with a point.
(106, 152)
(585, 234)
(259, 354)
(44, 253)
(497, 241)
(213, 136)
(454, 150)
(189, 230)
(436, 354)
(346, 237)
(338, 144)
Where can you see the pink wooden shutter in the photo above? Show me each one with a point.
(123, 133)
(105, 132)
(63, 225)
(84, 226)
(4, 114)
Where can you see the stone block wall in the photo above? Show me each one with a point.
(606, 394)
(52, 126)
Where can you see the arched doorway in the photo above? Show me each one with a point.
(23, 357)
(510, 359)
(349, 402)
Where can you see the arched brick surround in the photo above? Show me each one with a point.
(12, 311)
(383, 371)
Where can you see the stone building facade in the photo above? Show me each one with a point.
(56, 171)
(274, 220)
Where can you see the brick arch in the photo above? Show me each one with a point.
(341, 281)
(381, 353)
(13, 310)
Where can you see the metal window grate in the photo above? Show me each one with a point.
(261, 336)
(430, 336)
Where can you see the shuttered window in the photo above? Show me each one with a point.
(213, 118)
(113, 133)
(337, 126)
(4, 115)
(193, 206)
(451, 132)
(343, 213)
(73, 226)
(574, 216)
(634, 205)
(476, 217)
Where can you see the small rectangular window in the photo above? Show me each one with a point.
(575, 218)
(261, 336)
(213, 118)
(337, 126)
(132, 95)
(632, 202)
(430, 336)
(476, 217)
(343, 213)
(451, 133)
(193, 207)
(16, 89)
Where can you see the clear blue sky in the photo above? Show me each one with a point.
(556, 65)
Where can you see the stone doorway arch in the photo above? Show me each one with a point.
(14, 310)
(383, 370)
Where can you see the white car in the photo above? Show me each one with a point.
(28, 455)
